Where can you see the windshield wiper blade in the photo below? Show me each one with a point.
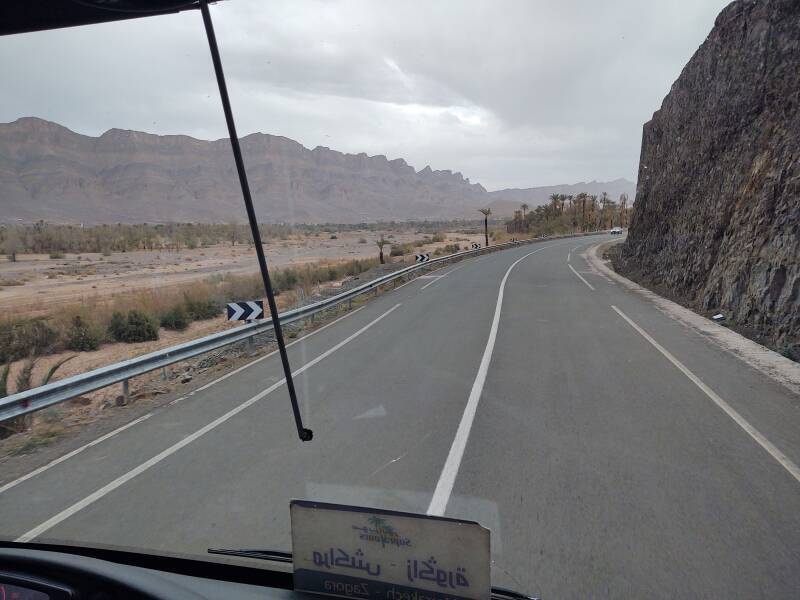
(498, 593)
(273, 555)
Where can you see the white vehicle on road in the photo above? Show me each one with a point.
(616, 231)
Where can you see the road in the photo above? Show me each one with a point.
(559, 417)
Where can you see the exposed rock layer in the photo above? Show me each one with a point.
(49, 172)
(717, 214)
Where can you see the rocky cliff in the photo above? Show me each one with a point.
(717, 214)
(49, 172)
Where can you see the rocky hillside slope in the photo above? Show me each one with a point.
(717, 215)
(49, 172)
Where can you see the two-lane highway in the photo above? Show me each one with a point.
(515, 391)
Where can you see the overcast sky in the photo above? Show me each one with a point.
(512, 94)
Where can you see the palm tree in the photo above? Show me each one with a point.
(604, 201)
(486, 212)
(572, 206)
(582, 198)
(524, 208)
(381, 243)
(554, 200)
(593, 198)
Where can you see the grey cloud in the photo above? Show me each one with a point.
(509, 93)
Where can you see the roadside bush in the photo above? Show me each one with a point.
(334, 237)
(82, 336)
(137, 326)
(117, 326)
(201, 309)
(19, 339)
(56, 254)
(362, 240)
(398, 251)
(141, 327)
(448, 249)
(175, 318)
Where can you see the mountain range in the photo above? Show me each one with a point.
(50, 172)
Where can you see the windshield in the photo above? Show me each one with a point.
(536, 266)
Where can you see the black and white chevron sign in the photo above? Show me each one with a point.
(421, 258)
(246, 311)
(475, 246)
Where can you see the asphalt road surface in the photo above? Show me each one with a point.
(572, 418)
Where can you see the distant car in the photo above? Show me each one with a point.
(616, 231)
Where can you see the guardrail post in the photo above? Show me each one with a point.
(126, 392)
(349, 304)
(163, 373)
(251, 345)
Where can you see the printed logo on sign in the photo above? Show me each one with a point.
(380, 531)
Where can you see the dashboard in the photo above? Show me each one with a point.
(27, 574)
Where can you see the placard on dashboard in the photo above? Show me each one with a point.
(357, 552)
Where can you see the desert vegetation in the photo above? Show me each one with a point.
(569, 214)
(138, 316)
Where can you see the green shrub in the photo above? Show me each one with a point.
(117, 327)
(175, 318)
(334, 237)
(141, 327)
(397, 251)
(56, 254)
(19, 339)
(201, 309)
(82, 336)
(138, 326)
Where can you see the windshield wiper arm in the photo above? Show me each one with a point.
(273, 555)
(498, 593)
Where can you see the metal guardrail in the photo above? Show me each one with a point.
(71, 387)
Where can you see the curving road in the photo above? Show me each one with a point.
(519, 389)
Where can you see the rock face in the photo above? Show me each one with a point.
(49, 172)
(717, 214)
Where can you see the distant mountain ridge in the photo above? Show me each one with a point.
(50, 172)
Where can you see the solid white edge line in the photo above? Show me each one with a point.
(274, 352)
(69, 455)
(447, 479)
(784, 461)
(119, 481)
(111, 434)
(591, 287)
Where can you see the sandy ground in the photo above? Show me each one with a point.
(49, 283)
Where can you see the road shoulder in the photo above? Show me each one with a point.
(779, 368)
